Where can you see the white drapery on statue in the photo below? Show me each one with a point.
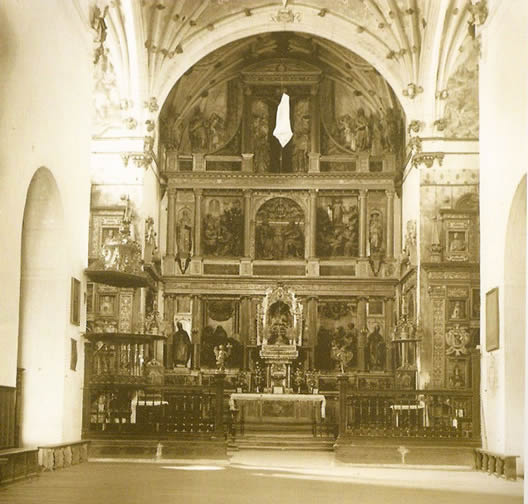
(283, 131)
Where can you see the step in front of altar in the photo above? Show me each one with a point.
(281, 441)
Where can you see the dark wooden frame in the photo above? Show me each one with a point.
(492, 320)
(75, 302)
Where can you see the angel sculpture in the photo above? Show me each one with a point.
(222, 353)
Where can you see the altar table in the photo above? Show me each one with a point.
(279, 408)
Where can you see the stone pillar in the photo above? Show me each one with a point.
(197, 222)
(197, 323)
(475, 385)
(362, 223)
(362, 337)
(171, 223)
(390, 224)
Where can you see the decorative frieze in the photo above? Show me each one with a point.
(439, 354)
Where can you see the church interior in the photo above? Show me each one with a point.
(248, 225)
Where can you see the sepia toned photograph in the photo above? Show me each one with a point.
(263, 251)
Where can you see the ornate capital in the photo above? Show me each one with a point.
(428, 158)
(389, 194)
(141, 159)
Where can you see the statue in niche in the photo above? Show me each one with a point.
(376, 350)
(223, 230)
(181, 346)
(279, 230)
(362, 132)
(375, 233)
(198, 131)
(184, 230)
(301, 137)
(260, 134)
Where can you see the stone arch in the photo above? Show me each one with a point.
(233, 28)
(514, 313)
(44, 295)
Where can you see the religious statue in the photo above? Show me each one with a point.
(345, 132)
(376, 349)
(198, 131)
(260, 134)
(222, 352)
(375, 233)
(181, 346)
(301, 137)
(216, 132)
(456, 313)
(362, 132)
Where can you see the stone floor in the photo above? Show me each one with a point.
(260, 477)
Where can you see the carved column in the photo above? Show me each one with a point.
(313, 221)
(197, 323)
(311, 325)
(388, 333)
(390, 224)
(315, 133)
(171, 223)
(362, 337)
(247, 223)
(245, 307)
(197, 222)
(169, 300)
(362, 223)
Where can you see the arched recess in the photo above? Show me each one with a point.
(43, 311)
(515, 321)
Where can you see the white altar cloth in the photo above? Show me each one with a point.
(278, 397)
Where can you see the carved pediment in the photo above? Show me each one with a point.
(281, 70)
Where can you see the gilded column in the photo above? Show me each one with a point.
(390, 224)
(362, 338)
(313, 221)
(247, 223)
(197, 221)
(197, 323)
(362, 223)
(171, 223)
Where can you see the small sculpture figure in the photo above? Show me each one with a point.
(222, 353)
(375, 233)
(456, 314)
(458, 244)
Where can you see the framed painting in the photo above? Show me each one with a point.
(75, 302)
(492, 320)
(73, 354)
